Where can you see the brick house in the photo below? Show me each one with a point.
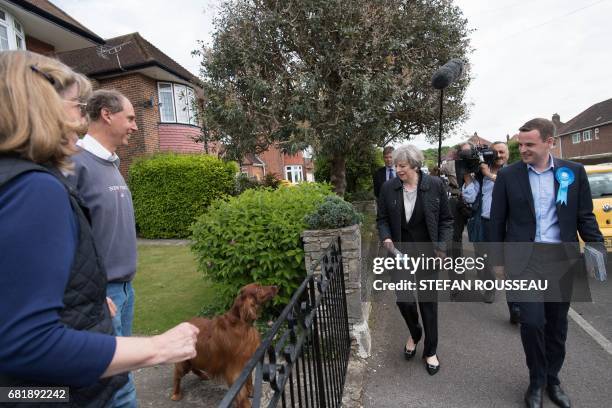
(587, 137)
(294, 168)
(161, 90)
(40, 26)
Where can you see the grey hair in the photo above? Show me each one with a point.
(104, 99)
(409, 154)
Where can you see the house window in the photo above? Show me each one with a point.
(576, 138)
(586, 135)
(596, 133)
(177, 103)
(12, 36)
(293, 173)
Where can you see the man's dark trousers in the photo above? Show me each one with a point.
(544, 323)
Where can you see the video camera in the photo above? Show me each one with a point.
(471, 159)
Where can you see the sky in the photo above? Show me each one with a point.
(531, 58)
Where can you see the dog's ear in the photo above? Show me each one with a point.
(248, 309)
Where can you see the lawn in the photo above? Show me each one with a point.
(168, 287)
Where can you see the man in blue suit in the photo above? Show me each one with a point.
(539, 203)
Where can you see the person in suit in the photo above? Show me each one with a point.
(384, 173)
(413, 210)
(538, 204)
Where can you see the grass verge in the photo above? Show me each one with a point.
(169, 289)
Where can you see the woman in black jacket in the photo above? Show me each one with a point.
(413, 214)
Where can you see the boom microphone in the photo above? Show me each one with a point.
(447, 74)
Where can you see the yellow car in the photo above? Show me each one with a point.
(600, 179)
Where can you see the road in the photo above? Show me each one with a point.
(481, 356)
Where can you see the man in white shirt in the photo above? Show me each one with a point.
(105, 193)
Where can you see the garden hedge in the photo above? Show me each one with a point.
(171, 190)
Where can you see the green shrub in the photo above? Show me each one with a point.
(171, 190)
(360, 195)
(333, 212)
(255, 237)
(244, 182)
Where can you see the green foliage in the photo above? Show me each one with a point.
(513, 150)
(245, 182)
(334, 212)
(170, 191)
(360, 167)
(431, 156)
(331, 74)
(255, 237)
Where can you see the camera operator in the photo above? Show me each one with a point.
(453, 170)
(477, 190)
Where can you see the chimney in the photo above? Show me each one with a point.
(556, 119)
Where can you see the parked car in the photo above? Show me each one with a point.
(600, 180)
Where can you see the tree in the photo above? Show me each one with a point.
(359, 171)
(338, 75)
(513, 152)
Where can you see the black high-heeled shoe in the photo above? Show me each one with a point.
(431, 369)
(408, 354)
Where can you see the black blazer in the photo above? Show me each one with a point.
(513, 213)
(435, 202)
(379, 178)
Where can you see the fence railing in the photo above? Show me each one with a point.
(303, 360)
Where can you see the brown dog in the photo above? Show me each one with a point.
(227, 342)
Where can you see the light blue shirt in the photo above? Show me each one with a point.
(543, 191)
(470, 193)
(387, 173)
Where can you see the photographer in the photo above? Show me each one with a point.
(478, 190)
(453, 171)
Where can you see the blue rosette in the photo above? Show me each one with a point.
(565, 177)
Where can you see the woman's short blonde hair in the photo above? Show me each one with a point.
(33, 122)
(409, 154)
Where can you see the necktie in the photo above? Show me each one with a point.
(391, 175)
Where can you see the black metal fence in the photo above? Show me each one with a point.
(302, 361)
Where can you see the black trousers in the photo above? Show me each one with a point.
(459, 221)
(544, 323)
(429, 316)
(428, 306)
(482, 248)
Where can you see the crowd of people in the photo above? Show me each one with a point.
(69, 252)
(527, 216)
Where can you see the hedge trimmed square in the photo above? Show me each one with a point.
(171, 190)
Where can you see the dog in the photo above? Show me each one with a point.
(226, 343)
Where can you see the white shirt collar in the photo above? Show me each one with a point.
(94, 147)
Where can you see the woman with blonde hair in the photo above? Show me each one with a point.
(55, 324)
(413, 215)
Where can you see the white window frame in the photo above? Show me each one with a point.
(294, 174)
(9, 23)
(576, 138)
(586, 136)
(596, 133)
(176, 90)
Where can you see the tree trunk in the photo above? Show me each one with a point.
(338, 174)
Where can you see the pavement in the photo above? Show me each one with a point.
(481, 356)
